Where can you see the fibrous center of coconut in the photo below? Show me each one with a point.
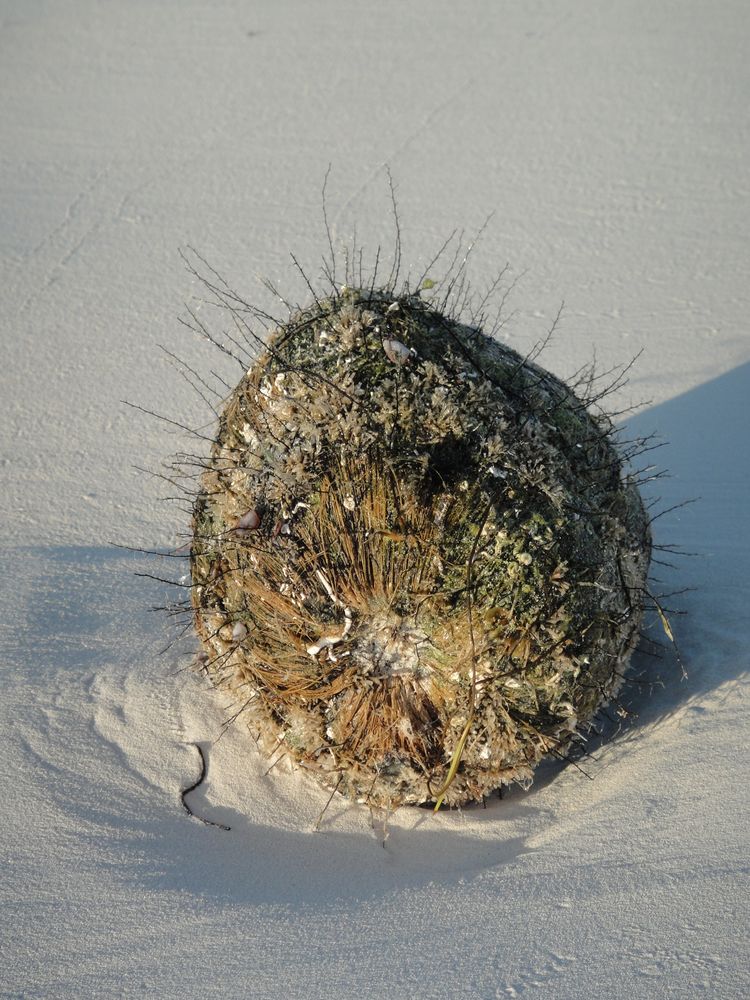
(389, 647)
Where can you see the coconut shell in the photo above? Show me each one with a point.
(425, 551)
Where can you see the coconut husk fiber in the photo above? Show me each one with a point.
(418, 559)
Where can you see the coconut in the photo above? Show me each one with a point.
(418, 558)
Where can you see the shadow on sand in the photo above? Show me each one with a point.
(708, 461)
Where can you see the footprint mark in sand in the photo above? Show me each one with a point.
(539, 978)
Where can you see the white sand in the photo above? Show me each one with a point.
(611, 140)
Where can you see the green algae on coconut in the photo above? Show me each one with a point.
(418, 561)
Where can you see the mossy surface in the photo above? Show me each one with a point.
(412, 549)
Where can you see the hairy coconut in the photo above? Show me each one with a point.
(418, 562)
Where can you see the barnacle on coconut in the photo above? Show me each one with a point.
(417, 560)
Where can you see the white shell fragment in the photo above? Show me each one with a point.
(326, 642)
(332, 640)
(398, 353)
(239, 631)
